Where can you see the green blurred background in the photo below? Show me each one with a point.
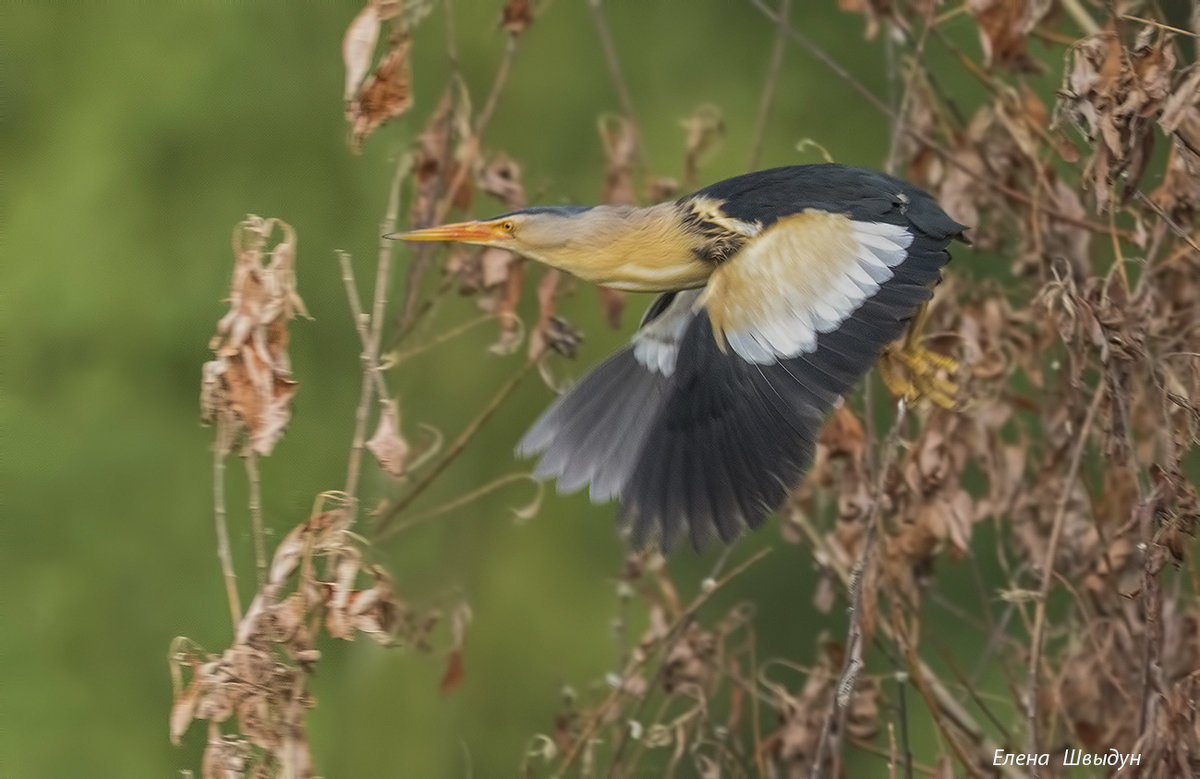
(136, 136)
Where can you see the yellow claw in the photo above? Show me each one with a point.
(913, 372)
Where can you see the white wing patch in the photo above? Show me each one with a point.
(656, 345)
(804, 276)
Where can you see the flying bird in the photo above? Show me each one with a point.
(778, 290)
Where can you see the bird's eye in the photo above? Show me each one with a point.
(507, 226)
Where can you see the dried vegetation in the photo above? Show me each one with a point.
(1067, 463)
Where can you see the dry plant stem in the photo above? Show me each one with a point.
(922, 678)
(898, 123)
(457, 503)
(941, 702)
(256, 518)
(373, 328)
(824, 58)
(470, 152)
(220, 448)
(831, 731)
(1039, 619)
(771, 85)
(619, 83)
(902, 703)
(1159, 25)
(356, 313)
(395, 358)
(389, 513)
(1175, 226)
(1081, 16)
(602, 711)
(471, 147)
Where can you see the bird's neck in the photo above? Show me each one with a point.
(635, 249)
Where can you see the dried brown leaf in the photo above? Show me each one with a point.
(248, 387)
(437, 162)
(455, 671)
(503, 271)
(618, 135)
(1112, 94)
(516, 16)
(387, 444)
(1004, 27)
(183, 709)
(386, 95)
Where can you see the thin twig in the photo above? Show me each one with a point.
(902, 704)
(945, 154)
(436, 212)
(371, 330)
(1163, 215)
(389, 513)
(1081, 16)
(256, 519)
(1152, 23)
(618, 78)
(601, 714)
(771, 85)
(831, 731)
(471, 147)
(1039, 620)
(361, 321)
(220, 449)
(394, 358)
(821, 56)
(942, 703)
(923, 679)
(898, 121)
(457, 503)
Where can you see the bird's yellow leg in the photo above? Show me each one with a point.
(913, 372)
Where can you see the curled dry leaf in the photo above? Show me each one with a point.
(248, 387)
(985, 155)
(262, 677)
(358, 48)
(619, 138)
(503, 271)
(1004, 27)
(387, 444)
(385, 95)
(459, 621)
(1179, 193)
(1112, 94)
(516, 16)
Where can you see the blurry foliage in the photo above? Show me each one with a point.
(1020, 569)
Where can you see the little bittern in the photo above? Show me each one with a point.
(779, 290)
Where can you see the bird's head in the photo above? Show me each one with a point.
(538, 233)
(645, 249)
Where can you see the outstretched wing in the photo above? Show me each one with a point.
(710, 417)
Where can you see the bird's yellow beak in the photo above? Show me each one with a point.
(467, 232)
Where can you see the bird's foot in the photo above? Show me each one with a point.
(913, 372)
